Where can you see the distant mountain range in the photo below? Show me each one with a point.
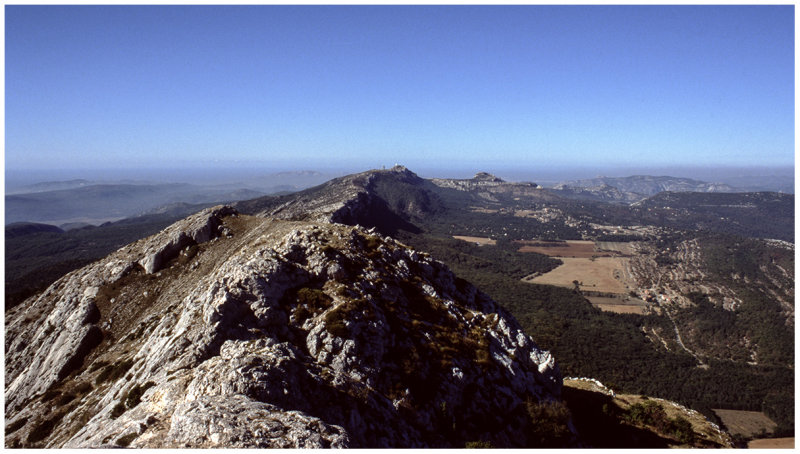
(98, 203)
(651, 185)
(78, 202)
(51, 186)
(634, 188)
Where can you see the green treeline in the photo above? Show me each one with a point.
(612, 347)
(499, 226)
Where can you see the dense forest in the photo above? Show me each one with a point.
(608, 346)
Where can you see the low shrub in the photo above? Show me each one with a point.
(682, 430)
(98, 365)
(313, 298)
(45, 428)
(301, 313)
(16, 425)
(50, 394)
(651, 413)
(83, 388)
(118, 410)
(335, 319)
(549, 421)
(134, 396)
(648, 413)
(125, 440)
(113, 371)
(334, 323)
(65, 399)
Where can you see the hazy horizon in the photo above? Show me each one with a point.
(459, 88)
(229, 173)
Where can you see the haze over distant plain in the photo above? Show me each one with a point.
(459, 87)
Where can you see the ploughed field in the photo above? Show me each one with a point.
(568, 248)
(772, 443)
(601, 275)
(481, 241)
(745, 423)
(600, 269)
(620, 304)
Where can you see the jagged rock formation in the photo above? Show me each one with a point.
(227, 330)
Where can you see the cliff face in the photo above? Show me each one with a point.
(228, 330)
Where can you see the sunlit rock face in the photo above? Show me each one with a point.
(227, 330)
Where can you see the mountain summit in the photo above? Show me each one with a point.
(229, 330)
(385, 199)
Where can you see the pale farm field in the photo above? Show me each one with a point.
(476, 239)
(483, 210)
(615, 246)
(746, 423)
(621, 308)
(570, 248)
(618, 305)
(771, 443)
(596, 275)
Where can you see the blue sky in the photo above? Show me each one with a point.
(310, 86)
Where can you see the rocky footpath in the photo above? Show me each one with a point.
(228, 330)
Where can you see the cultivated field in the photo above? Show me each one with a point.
(569, 248)
(745, 423)
(772, 443)
(614, 246)
(476, 239)
(483, 210)
(624, 305)
(603, 274)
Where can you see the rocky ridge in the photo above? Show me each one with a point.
(634, 189)
(602, 193)
(648, 185)
(227, 330)
(479, 181)
(392, 199)
(489, 187)
(334, 201)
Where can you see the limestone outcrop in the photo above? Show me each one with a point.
(227, 330)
